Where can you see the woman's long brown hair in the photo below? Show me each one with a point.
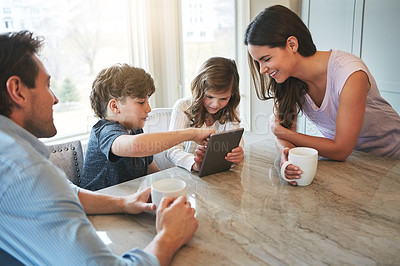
(272, 27)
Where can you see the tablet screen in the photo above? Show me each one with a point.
(218, 146)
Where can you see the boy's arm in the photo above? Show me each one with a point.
(142, 145)
(178, 154)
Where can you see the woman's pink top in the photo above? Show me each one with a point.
(380, 134)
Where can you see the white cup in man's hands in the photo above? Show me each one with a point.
(171, 188)
(307, 160)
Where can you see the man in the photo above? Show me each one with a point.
(43, 218)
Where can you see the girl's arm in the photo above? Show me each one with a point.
(349, 120)
(177, 154)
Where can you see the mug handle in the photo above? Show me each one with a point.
(283, 168)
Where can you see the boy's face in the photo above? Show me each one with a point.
(133, 112)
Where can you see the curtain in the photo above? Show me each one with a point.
(155, 46)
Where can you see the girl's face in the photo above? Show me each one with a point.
(215, 100)
(276, 62)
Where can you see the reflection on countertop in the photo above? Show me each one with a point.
(350, 214)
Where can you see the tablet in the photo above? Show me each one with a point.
(218, 146)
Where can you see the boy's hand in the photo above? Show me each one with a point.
(201, 135)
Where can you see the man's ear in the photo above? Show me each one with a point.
(113, 105)
(17, 91)
(292, 44)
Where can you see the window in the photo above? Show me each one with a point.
(208, 29)
(82, 37)
(169, 39)
(6, 10)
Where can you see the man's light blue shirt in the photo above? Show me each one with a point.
(41, 219)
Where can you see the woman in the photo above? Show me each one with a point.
(334, 89)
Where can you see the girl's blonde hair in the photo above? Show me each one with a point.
(217, 74)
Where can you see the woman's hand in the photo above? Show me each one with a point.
(235, 156)
(276, 126)
(291, 171)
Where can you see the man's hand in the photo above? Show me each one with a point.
(175, 224)
(175, 220)
(138, 202)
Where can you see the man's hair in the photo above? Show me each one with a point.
(118, 82)
(16, 59)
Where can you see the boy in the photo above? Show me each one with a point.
(117, 149)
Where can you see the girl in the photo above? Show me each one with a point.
(334, 89)
(214, 102)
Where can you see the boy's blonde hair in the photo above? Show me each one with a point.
(118, 82)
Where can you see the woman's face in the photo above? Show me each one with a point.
(276, 62)
(215, 100)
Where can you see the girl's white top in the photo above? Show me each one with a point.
(182, 154)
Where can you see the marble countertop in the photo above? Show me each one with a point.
(350, 214)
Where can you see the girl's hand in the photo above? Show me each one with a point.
(198, 159)
(235, 156)
(292, 171)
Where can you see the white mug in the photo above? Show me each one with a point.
(171, 188)
(307, 160)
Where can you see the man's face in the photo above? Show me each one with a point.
(39, 114)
